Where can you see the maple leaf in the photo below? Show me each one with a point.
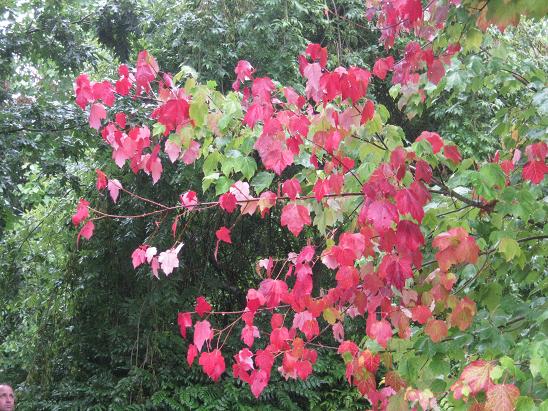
(103, 91)
(381, 331)
(168, 259)
(82, 212)
(433, 138)
(191, 354)
(154, 165)
(202, 306)
(184, 321)
(452, 153)
(82, 88)
(382, 213)
(317, 53)
(423, 171)
(475, 378)
(421, 314)
(295, 217)
(274, 291)
(223, 234)
(96, 114)
(101, 180)
(147, 68)
(247, 203)
(213, 363)
(114, 187)
(436, 330)
(436, 71)
(347, 277)
(243, 71)
(396, 270)
(502, 397)
(86, 231)
(408, 236)
(120, 119)
(463, 313)
(258, 381)
(408, 202)
(202, 333)
(255, 299)
(368, 112)
(138, 256)
(249, 333)
(189, 199)
(534, 171)
(383, 66)
(456, 246)
(172, 150)
(227, 202)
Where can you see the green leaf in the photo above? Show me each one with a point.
(222, 185)
(492, 296)
(262, 181)
(198, 111)
(509, 248)
(247, 166)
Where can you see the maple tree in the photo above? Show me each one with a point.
(338, 174)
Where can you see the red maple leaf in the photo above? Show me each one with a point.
(213, 363)
(534, 171)
(101, 180)
(421, 314)
(227, 202)
(368, 112)
(223, 234)
(381, 331)
(96, 114)
(82, 212)
(86, 231)
(382, 66)
(249, 332)
(184, 321)
(463, 314)
(202, 306)
(295, 217)
(382, 213)
(191, 354)
(502, 397)
(452, 153)
(433, 138)
(258, 381)
(455, 246)
(475, 377)
(436, 330)
(274, 291)
(395, 269)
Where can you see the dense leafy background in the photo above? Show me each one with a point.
(80, 329)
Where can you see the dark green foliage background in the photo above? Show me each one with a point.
(80, 329)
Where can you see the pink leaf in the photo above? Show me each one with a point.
(86, 231)
(202, 306)
(184, 321)
(202, 333)
(191, 354)
(295, 217)
(114, 187)
(138, 256)
(213, 363)
(101, 180)
(172, 150)
(82, 212)
(223, 234)
(96, 114)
